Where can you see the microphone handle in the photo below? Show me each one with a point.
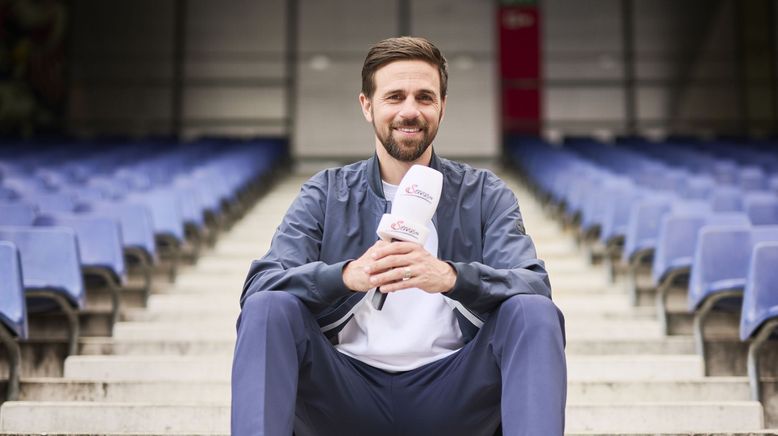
(379, 298)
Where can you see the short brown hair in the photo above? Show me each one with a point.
(403, 48)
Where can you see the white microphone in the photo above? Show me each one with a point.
(414, 205)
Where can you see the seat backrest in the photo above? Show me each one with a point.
(643, 224)
(50, 260)
(136, 223)
(165, 211)
(760, 299)
(726, 199)
(762, 208)
(675, 243)
(99, 240)
(752, 179)
(16, 214)
(720, 261)
(13, 310)
(51, 202)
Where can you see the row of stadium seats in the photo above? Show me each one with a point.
(702, 217)
(81, 217)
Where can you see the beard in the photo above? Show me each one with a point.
(407, 150)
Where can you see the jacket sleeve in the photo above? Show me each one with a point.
(510, 265)
(292, 264)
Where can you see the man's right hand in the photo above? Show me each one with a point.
(356, 274)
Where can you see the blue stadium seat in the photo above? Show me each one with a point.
(759, 317)
(762, 208)
(752, 178)
(137, 234)
(640, 240)
(168, 220)
(13, 313)
(51, 202)
(100, 247)
(726, 199)
(675, 249)
(16, 214)
(50, 272)
(698, 187)
(720, 269)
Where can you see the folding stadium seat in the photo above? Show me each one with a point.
(100, 248)
(725, 172)
(640, 240)
(675, 249)
(772, 184)
(762, 208)
(614, 225)
(137, 229)
(720, 268)
(50, 272)
(13, 313)
(726, 199)
(168, 224)
(698, 187)
(752, 179)
(759, 318)
(52, 202)
(16, 214)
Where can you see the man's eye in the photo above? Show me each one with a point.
(394, 97)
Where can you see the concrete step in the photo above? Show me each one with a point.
(106, 418)
(627, 367)
(226, 314)
(711, 389)
(156, 347)
(58, 389)
(212, 368)
(68, 417)
(632, 346)
(148, 368)
(167, 392)
(211, 330)
(665, 417)
(194, 302)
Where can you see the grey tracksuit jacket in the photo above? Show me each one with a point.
(334, 218)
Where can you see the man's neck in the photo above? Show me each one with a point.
(393, 170)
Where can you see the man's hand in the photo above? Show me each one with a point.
(355, 274)
(396, 261)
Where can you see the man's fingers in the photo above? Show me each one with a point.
(391, 276)
(394, 248)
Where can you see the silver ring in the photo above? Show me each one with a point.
(406, 274)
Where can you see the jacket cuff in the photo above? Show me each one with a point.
(329, 282)
(466, 287)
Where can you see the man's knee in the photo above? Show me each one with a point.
(536, 313)
(270, 306)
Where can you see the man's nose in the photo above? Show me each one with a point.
(409, 109)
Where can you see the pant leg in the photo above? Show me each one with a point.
(287, 376)
(528, 342)
(512, 371)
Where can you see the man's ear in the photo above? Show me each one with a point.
(367, 107)
(443, 107)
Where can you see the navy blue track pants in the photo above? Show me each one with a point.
(287, 377)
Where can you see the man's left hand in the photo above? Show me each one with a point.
(402, 265)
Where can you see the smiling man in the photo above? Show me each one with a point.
(469, 339)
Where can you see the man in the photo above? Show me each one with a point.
(468, 338)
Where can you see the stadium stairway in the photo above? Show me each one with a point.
(166, 369)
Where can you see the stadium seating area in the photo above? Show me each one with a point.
(86, 227)
(689, 219)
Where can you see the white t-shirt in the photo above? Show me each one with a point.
(413, 329)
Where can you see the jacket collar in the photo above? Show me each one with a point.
(374, 173)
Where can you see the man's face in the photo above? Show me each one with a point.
(406, 108)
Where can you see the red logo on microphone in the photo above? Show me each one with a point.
(400, 226)
(416, 192)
